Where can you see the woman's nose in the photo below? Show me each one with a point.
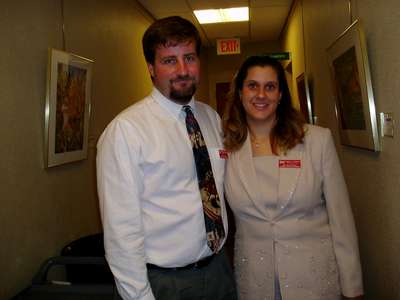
(261, 92)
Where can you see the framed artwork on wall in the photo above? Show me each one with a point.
(355, 105)
(67, 110)
(303, 92)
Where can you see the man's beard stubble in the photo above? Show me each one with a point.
(182, 96)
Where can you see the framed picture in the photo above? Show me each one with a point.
(67, 111)
(355, 106)
(303, 92)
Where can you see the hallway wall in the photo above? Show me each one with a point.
(43, 209)
(373, 178)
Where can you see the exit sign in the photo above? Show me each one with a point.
(228, 46)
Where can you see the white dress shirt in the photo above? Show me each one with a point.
(149, 195)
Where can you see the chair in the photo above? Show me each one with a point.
(88, 246)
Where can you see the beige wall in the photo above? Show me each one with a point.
(373, 179)
(222, 68)
(42, 210)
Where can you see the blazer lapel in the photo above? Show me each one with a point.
(290, 167)
(247, 174)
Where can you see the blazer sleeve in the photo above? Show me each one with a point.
(341, 221)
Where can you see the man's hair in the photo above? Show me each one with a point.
(289, 128)
(169, 31)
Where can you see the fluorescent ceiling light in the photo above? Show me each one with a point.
(222, 15)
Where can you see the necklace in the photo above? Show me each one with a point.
(258, 143)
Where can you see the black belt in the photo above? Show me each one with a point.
(196, 265)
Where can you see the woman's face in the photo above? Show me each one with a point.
(260, 94)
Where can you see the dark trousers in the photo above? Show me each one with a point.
(212, 282)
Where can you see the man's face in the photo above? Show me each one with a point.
(176, 71)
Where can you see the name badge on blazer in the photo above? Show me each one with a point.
(290, 163)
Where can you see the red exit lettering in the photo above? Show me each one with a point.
(229, 46)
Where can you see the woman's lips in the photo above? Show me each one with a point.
(260, 106)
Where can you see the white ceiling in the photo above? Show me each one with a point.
(267, 17)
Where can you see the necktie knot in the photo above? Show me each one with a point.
(187, 109)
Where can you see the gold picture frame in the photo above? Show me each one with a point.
(67, 111)
(355, 105)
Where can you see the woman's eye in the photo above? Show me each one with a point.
(251, 85)
(271, 87)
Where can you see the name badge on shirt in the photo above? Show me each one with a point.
(289, 163)
(223, 154)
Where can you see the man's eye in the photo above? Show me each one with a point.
(169, 61)
(190, 58)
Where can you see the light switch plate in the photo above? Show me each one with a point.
(387, 124)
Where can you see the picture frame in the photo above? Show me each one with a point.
(351, 78)
(303, 92)
(67, 110)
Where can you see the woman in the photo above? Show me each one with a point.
(295, 233)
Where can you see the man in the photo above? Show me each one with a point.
(160, 169)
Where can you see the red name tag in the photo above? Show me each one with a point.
(223, 154)
(289, 163)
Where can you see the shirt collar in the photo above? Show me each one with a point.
(174, 108)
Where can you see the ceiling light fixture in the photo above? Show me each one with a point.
(222, 15)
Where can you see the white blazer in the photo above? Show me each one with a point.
(310, 241)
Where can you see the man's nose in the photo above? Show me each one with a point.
(182, 68)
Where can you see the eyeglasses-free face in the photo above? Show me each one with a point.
(176, 71)
(260, 94)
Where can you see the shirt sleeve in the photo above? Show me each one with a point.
(341, 221)
(119, 183)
